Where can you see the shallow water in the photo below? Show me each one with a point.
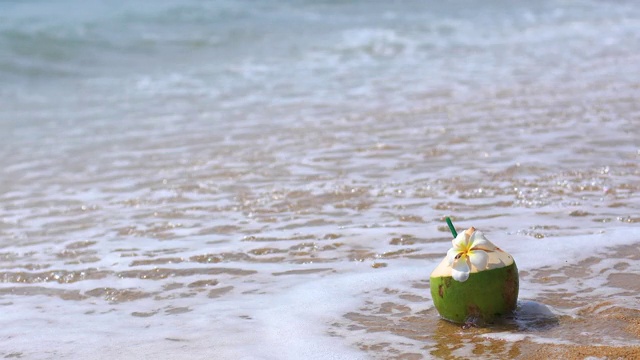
(269, 181)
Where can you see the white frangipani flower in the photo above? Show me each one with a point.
(469, 248)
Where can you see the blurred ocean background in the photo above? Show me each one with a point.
(269, 179)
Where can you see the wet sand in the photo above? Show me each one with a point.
(568, 338)
(590, 326)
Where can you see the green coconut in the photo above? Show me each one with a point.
(484, 296)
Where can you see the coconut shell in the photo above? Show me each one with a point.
(485, 295)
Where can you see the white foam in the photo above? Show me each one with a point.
(515, 337)
(320, 303)
(287, 320)
(560, 251)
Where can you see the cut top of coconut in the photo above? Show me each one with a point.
(497, 259)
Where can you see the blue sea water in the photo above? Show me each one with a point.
(286, 51)
(237, 179)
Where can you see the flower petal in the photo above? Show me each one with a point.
(479, 242)
(479, 259)
(460, 270)
(461, 242)
(451, 255)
